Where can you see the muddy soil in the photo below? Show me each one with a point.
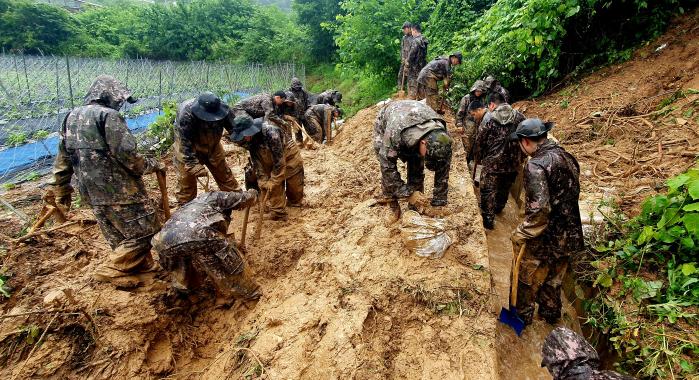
(343, 297)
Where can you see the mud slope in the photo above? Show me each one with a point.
(342, 297)
(635, 124)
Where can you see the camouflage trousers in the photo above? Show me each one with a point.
(540, 282)
(430, 92)
(291, 189)
(468, 137)
(494, 188)
(318, 129)
(215, 161)
(391, 181)
(128, 230)
(218, 259)
(412, 83)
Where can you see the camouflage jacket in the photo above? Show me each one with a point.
(301, 97)
(321, 111)
(417, 57)
(397, 132)
(551, 226)
(462, 114)
(405, 44)
(96, 145)
(204, 218)
(493, 148)
(568, 356)
(332, 97)
(193, 135)
(497, 87)
(438, 68)
(261, 105)
(268, 152)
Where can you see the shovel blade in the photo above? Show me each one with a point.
(512, 319)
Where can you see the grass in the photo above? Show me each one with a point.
(358, 90)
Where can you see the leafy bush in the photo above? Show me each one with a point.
(648, 284)
(16, 137)
(163, 129)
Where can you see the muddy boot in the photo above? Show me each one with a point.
(488, 222)
(117, 277)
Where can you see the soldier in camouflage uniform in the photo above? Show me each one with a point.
(194, 244)
(332, 97)
(412, 132)
(437, 70)
(271, 107)
(417, 59)
(302, 99)
(276, 163)
(568, 356)
(198, 129)
(499, 156)
(319, 120)
(97, 146)
(551, 228)
(405, 43)
(465, 120)
(494, 86)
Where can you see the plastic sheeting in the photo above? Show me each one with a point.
(425, 236)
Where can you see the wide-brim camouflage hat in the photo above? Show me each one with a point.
(563, 346)
(479, 85)
(244, 126)
(209, 107)
(532, 127)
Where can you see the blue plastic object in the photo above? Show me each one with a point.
(512, 319)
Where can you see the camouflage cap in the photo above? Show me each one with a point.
(489, 80)
(478, 85)
(243, 126)
(563, 349)
(108, 91)
(532, 127)
(296, 83)
(438, 146)
(407, 24)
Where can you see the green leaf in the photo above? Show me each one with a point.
(646, 235)
(572, 11)
(691, 223)
(605, 280)
(691, 207)
(688, 269)
(676, 182)
(687, 242)
(693, 188)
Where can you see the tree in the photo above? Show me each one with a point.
(319, 16)
(35, 28)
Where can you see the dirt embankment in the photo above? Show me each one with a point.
(635, 124)
(342, 297)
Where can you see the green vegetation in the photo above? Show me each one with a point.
(162, 129)
(358, 90)
(648, 281)
(4, 289)
(15, 138)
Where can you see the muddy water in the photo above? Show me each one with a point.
(518, 357)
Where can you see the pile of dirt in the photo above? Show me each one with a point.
(635, 124)
(343, 297)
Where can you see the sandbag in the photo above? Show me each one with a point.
(424, 236)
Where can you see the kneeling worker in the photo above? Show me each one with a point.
(551, 228)
(194, 244)
(414, 133)
(319, 120)
(279, 169)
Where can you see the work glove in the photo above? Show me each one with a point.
(198, 170)
(253, 193)
(267, 185)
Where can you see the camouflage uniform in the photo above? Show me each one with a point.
(302, 99)
(494, 86)
(397, 132)
(332, 97)
(568, 356)
(199, 142)
(261, 105)
(194, 244)
(405, 45)
(465, 120)
(275, 158)
(551, 229)
(438, 69)
(97, 146)
(319, 121)
(500, 158)
(417, 59)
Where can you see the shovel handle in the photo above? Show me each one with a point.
(258, 229)
(515, 276)
(245, 227)
(162, 184)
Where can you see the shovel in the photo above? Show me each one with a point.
(162, 184)
(510, 316)
(401, 92)
(258, 228)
